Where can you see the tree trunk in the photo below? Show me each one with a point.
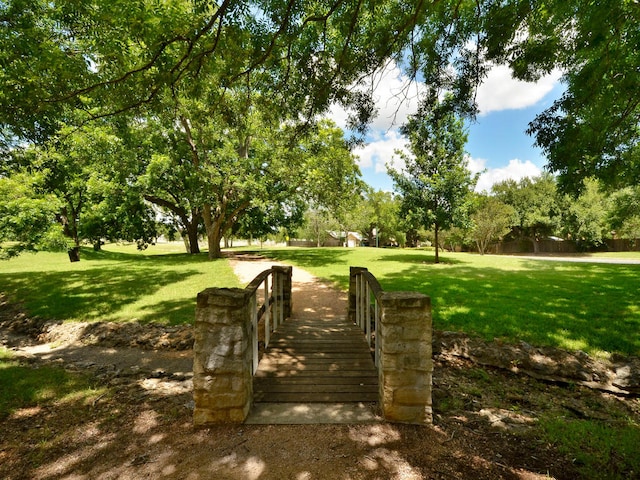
(214, 231)
(188, 220)
(185, 239)
(192, 234)
(214, 244)
(74, 254)
(536, 245)
(436, 230)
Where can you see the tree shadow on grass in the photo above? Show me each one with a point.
(174, 312)
(420, 259)
(160, 259)
(91, 294)
(587, 307)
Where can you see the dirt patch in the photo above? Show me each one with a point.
(488, 421)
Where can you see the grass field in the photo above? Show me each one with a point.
(588, 306)
(117, 284)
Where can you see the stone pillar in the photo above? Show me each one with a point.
(287, 272)
(353, 271)
(222, 376)
(406, 364)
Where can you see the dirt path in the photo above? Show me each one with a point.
(311, 297)
(138, 423)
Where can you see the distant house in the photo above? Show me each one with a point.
(354, 239)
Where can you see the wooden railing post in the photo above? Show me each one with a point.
(267, 313)
(282, 277)
(353, 288)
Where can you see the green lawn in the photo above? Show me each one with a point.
(116, 284)
(587, 306)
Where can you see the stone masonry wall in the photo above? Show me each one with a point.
(406, 363)
(222, 376)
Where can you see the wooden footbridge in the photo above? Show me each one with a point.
(312, 360)
(251, 354)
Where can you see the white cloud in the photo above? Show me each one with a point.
(380, 151)
(500, 91)
(394, 95)
(516, 170)
(396, 98)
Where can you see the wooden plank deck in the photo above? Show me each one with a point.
(312, 360)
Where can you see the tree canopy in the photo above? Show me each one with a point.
(228, 84)
(536, 206)
(103, 57)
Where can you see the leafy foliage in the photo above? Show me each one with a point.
(535, 201)
(435, 184)
(585, 218)
(492, 221)
(625, 212)
(383, 223)
(26, 212)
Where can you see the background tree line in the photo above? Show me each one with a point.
(528, 211)
(113, 111)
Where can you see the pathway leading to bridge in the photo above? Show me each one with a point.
(318, 368)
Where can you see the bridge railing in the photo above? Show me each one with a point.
(228, 327)
(366, 295)
(397, 326)
(273, 306)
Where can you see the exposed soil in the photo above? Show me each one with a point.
(486, 419)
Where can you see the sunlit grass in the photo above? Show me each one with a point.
(119, 283)
(629, 255)
(593, 307)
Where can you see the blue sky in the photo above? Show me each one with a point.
(497, 144)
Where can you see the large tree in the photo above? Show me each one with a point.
(537, 210)
(330, 176)
(383, 223)
(108, 56)
(585, 218)
(27, 212)
(624, 215)
(86, 171)
(593, 130)
(435, 183)
(492, 220)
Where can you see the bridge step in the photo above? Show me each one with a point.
(316, 361)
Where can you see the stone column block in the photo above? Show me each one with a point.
(223, 380)
(406, 364)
